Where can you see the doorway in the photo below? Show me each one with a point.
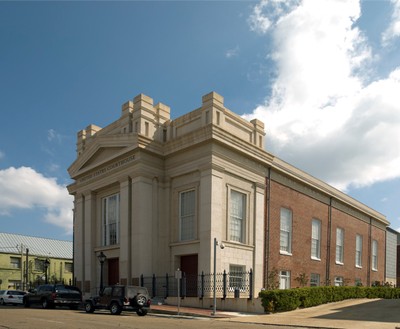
(189, 265)
(113, 270)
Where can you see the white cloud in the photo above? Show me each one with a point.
(232, 52)
(393, 29)
(52, 135)
(322, 115)
(24, 188)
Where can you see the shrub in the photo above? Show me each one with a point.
(290, 299)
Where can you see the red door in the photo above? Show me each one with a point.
(113, 271)
(189, 265)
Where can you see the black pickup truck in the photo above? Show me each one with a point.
(51, 295)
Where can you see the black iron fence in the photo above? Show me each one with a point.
(227, 285)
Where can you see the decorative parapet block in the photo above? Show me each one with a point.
(142, 101)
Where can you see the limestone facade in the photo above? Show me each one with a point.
(175, 185)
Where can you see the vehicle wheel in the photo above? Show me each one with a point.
(140, 299)
(45, 303)
(89, 307)
(26, 302)
(141, 312)
(115, 308)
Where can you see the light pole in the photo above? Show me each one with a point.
(102, 258)
(222, 246)
(46, 264)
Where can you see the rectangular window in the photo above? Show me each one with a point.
(314, 280)
(15, 262)
(316, 239)
(359, 241)
(187, 215)
(338, 281)
(237, 216)
(286, 231)
(339, 245)
(237, 277)
(374, 255)
(111, 220)
(39, 265)
(284, 279)
(68, 267)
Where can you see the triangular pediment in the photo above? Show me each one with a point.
(101, 155)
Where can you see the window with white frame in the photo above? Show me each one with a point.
(374, 255)
(15, 262)
(316, 239)
(338, 281)
(110, 214)
(284, 279)
(237, 223)
(237, 276)
(359, 242)
(187, 209)
(286, 231)
(339, 245)
(314, 280)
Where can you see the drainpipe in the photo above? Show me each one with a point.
(328, 247)
(369, 252)
(266, 239)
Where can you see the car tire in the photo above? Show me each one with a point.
(141, 312)
(115, 308)
(140, 300)
(89, 307)
(26, 302)
(45, 303)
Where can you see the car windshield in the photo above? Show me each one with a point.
(15, 292)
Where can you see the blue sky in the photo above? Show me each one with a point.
(324, 76)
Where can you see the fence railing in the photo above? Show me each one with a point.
(228, 285)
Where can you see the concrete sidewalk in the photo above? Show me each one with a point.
(349, 314)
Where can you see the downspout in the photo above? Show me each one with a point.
(266, 239)
(369, 253)
(384, 262)
(328, 246)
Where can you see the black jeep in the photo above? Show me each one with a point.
(117, 298)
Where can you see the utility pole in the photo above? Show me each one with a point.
(26, 269)
(21, 267)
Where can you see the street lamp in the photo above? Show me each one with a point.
(222, 246)
(102, 258)
(46, 264)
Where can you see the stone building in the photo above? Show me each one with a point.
(153, 193)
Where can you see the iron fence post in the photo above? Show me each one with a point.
(166, 286)
(224, 285)
(251, 284)
(153, 285)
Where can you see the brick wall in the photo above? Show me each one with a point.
(304, 208)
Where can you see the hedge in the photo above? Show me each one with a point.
(291, 299)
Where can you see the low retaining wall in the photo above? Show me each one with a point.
(230, 304)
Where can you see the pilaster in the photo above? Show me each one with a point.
(125, 231)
